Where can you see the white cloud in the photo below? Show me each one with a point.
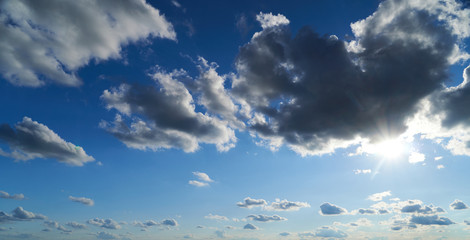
(268, 20)
(104, 223)
(440, 166)
(30, 139)
(14, 196)
(362, 171)
(202, 176)
(19, 214)
(198, 183)
(265, 218)
(330, 232)
(216, 217)
(250, 203)
(416, 157)
(285, 205)
(379, 196)
(35, 45)
(82, 200)
(438, 158)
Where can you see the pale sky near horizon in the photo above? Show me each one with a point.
(175, 119)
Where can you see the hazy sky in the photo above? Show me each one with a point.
(261, 119)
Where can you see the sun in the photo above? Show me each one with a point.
(389, 149)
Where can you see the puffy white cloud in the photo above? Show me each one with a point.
(6, 195)
(331, 209)
(250, 226)
(104, 223)
(50, 40)
(268, 20)
(416, 157)
(56, 225)
(379, 196)
(151, 223)
(203, 176)
(198, 183)
(216, 217)
(362, 171)
(458, 205)
(30, 139)
(19, 214)
(265, 218)
(440, 166)
(171, 119)
(250, 203)
(82, 200)
(285, 205)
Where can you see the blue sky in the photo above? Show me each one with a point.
(234, 120)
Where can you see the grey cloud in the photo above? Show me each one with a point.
(14, 196)
(366, 88)
(284, 234)
(250, 203)
(82, 200)
(169, 222)
(106, 236)
(220, 234)
(171, 119)
(458, 205)
(30, 139)
(330, 232)
(36, 47)
(56, 225)
(104, 223)
(466, 222)
(151, 223)
(331, 209)
(285, 205)
(264, 218)
(367, 211)
(19, 214)
(431, 220)
(414, 207)
(250, 226)
(76, 225)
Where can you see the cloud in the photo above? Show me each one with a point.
(170, 116)
(106, 236)
(76, 225)
(416, 157)
(285, 205)
(14, 196)
(418, 207)
(216, 217)
(30, 139)
(330, 209)
(379, 196)
(220, 234)
(264, 218)
(36, 48)
(19, 214)
(250, 226)
(284, 234)
(440, 166)
(363, 211)
(431, 220)
(56, 225)
(250, 203)
(362, 171)
(198, 183)
(318, 93)
(169, 222)
(151, 223)
(104, 223)
(330, 232)
(458, 205)
(82, 200)
(202, 176)
(268, 20)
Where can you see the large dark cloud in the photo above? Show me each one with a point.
(312, 91)
(19, 214)
(30, 139)
(431, 220)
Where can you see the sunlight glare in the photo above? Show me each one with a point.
(389, 149)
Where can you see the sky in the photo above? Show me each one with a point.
(179, 119)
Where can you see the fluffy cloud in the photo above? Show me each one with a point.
(169, 222)
(285, 205)
(250, 203)
(198, 183)
(56, 225)
(330, 232)
(331, 209)
(76, 225)
(216, 217)
(19, 214)
(268, 20)
(293, 89)
(408, 206)
(151, 223)
(416, 157)
(171, 119)
(203, 177)
(362, 171)
(379, 196)
(264, 218)
(458, 205)
(30, 139)
(104, 223)
(36, 47)
(82, 200)
(106, 236)
(431, 220)
(250, 226)
(14, 196)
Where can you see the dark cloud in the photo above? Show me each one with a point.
(250, 202)
(458, 205)
(431, 220)
(106, 236)
(104, 223)
(82, 200)
(250, 226)
(366, 211)
(284, 234)
(76, 225)
(317, 93)
(19, 214)
(6, 195)
(264, 218)
(418, 207)
(169, 222)
(330, 209)
(36, 47)
(151, 223)
(171, 119)
(30, 139)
